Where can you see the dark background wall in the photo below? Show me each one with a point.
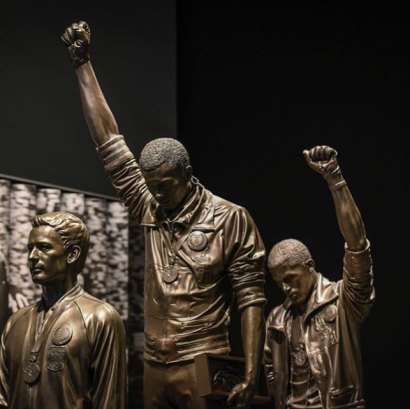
(258, 84)
(43, 135)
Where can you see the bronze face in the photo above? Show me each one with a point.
(168, 186)
(47, 257)
(296, 282)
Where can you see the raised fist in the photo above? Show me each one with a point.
(322, 159)
(77, 39)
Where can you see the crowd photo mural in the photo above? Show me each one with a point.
(114, 268)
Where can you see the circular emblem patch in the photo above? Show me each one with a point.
(169, 274)
(300, 357)
(329, 313)
(62, 335)
(31, 373)
(197, 240)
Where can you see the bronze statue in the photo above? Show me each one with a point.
(67, 350)
(312, 348)
(200, 251)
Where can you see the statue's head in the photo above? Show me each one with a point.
(165, 166)
(58, 246)
(293, 269)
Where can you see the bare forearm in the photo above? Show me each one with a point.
(99, 118)
(323, 159)
(348, 215)
(253, 329)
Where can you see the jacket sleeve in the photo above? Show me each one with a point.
(357, 288)
(267, 358)
(276, 357)
(246, 258)
(125, 175)
(108, 365)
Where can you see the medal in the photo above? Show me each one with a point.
(299, 356)
(169, 274)
(31, 373)
(299, 350)
(32, 370)
(62, 335)
(329, 313)
(197, 240)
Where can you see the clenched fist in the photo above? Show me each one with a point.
(77, 39)
(322, 159)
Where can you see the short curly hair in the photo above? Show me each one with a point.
(72, 230)
(163, 150)
(288, 253)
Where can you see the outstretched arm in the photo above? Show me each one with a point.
(323, 159)
(118, 160)
(99, 118)
(358, 291)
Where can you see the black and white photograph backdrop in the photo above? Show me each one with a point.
(245, 86)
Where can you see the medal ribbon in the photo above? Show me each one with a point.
(32, 369)
(173, 249)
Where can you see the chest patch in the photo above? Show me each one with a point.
(329, 313)
(56, 358)
(62, 335)
(197, 241)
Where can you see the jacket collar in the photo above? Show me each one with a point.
(66, 298)
(199, 205)
(323, 293)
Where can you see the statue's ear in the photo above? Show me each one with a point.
(310, 264)
(188, 172)
(73, 254)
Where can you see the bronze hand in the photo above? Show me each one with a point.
(77, 39)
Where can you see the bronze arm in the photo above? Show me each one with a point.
(99, 118)
(252, 331)
(323, 160)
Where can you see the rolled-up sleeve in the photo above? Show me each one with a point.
(125, 175)
(246, 260)
(358, 288)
